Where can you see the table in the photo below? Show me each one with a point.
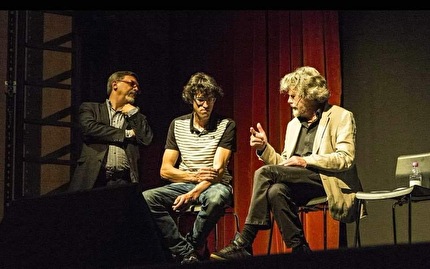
(405, 195)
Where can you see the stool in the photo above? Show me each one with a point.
(195, 209)
(315, 204)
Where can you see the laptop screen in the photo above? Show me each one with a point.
(404, 168)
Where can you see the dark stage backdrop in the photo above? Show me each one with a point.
(248, 52)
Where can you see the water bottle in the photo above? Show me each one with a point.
(415, 178)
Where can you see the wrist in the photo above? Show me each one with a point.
(260, 151)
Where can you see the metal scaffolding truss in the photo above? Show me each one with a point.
(39, 103)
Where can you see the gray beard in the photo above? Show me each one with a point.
(130, 100)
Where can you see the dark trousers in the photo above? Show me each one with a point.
(282, 189)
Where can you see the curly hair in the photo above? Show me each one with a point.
(203, 85)
(307, 83)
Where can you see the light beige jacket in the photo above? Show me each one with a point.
(333, 154)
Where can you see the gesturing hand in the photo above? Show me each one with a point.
(258, 139)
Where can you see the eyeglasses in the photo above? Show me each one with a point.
(201, 100)
(133, 84)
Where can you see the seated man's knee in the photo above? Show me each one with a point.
(148, 195)
(213, 202)
(263, 172)
(276, 191)
(218, 198)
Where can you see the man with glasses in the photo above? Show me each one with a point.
(197, 152)
(112, 133)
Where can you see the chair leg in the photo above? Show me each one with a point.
(269, 247)
(410, 219)
(236, 220)
(357, 239)
(236, 217)
(393, 210)
(216, 237)
(325, 225)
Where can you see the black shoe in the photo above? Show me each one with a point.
(237, 249)
(193, 257)
(302, 249)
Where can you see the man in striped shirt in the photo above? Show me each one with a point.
(197, 152)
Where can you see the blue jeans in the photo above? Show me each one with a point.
(213, 201)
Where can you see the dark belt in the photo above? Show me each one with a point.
(114, 175)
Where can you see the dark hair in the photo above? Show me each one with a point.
(201, 84)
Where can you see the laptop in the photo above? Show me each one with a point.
(404, 168)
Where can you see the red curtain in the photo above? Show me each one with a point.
(262, 48)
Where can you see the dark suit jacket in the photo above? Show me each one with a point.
(98, 135)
